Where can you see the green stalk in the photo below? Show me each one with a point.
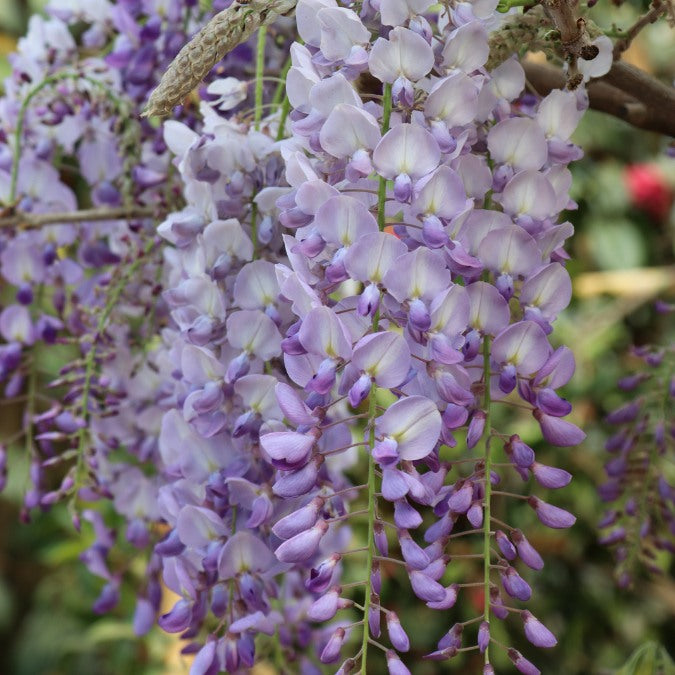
(259, 73)
(280, 91)
(372, 412)
(21, 120)
(371, 531)
(382, 189)
(90, 357)
(285, 109)
(254, 227)
(257, 118)
(488, 487)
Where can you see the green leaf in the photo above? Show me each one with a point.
(648, 659)
(616, 244)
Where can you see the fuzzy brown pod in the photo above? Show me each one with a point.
(221, 35)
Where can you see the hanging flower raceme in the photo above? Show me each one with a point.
(639, 486)
(350, 288)
(459, 303)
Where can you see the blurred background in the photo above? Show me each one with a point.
(622, 261)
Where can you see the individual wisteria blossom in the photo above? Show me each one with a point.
(639, 491)
(351, 279)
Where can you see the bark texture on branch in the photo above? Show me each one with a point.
(27, 221)
(612, 94)
(221, 35)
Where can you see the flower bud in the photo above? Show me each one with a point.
(299, 520)
(483, 636)
(331, 652)
(302, 546)
(536, 632)
(321, 576)
(550, 515)
(505, 545)
(395, 665)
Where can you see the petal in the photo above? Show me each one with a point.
(558, 114)
(288, 446)
(405, 54)
(558, 431)
(302, 546)
(293, 407)
(244, 552)
(419, 274)
(549, 289)
(414, 423)
(406, 149)
(256, 285)
(453, 99)
(441, 194)
(373, 255)
(467, 48)
(343, 220)
(519, 142)
(523, 344)
(385, 356)
(529, 193)
(323, 333)
(199, 526)
(450, 311)
(347, 130)
(341, 29)
(489, 311)
(255, 332)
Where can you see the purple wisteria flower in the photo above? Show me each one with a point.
(350, 280)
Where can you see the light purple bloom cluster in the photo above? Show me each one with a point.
(352, 289)
(448, 314)
(70, 137)
(640, 523)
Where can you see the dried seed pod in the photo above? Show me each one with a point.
(221, 35)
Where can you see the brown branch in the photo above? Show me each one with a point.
(574, 37)
(29, 221)
(615, 97)
(657, 8)
(654, 95)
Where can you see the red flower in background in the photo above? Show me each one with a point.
(649, 190)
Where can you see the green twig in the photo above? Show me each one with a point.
(488, 488)
(382, 188)
(90, 357)
(259, 75)
(21, 119)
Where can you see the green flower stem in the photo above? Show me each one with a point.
(285, 109)
(280, 91)
(259, 75)
(372, 413)
(487, 521)
(382, 191)
(372, 489)
(257, 118)
(254, 227)
(21, 120)
(505, 5)
(90, 358)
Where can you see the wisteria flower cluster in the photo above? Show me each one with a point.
(71, 138)
(640, 523)
(352, 301)
(355, 273)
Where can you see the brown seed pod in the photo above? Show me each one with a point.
(221, 35)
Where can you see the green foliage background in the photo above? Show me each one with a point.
(46, 625)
